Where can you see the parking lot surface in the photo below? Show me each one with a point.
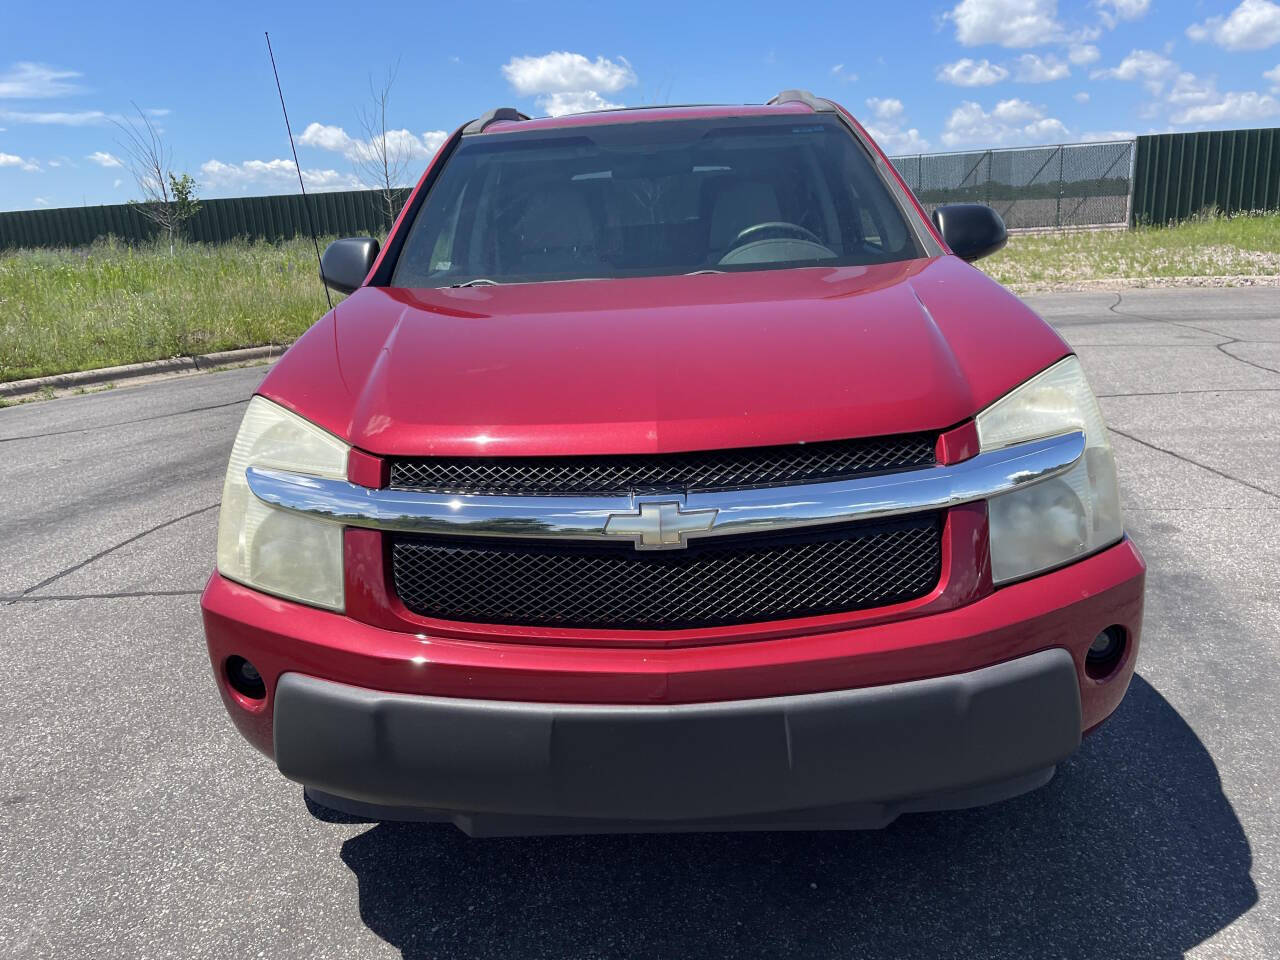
(134, 822)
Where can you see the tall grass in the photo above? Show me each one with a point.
(110, 303)
(1208, 246)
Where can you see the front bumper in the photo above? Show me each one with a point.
(841, 756)
(331, 679)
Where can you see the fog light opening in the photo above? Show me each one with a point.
(1105, 653)
(245, 679)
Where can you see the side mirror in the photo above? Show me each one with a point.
(346, 263)
(972, 230)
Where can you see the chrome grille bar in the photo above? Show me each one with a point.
(752, 510)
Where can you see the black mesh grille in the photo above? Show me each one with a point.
(704, 470)
(826, 571)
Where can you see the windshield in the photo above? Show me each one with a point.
(653, 198)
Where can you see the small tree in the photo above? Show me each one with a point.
(168, 201)
(185, 206)
(382, 159)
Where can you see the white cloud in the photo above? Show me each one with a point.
(1007, 23)
(1254, 25)
(274, 174)
(968, 72)
(1096, 136)
(839, 73)
(1274, 76)
(1114, 11)
(32, 81)
(21, 163)
(326, 137)
(894, 140)
(117, 183)
(574, 101)
(563, 72)
(1146, 65)
(1033, 68)
(81, 118)
(40, 201)
(399, 143)
(889, 130)
(1011, 121)
(1083, 35)
(1083, 54)
(1196, 101)
(887, 108)
(1234, 108)
(1081, 96)
(1189, 90)
(418, 149)
(566, 82)
(104, 159)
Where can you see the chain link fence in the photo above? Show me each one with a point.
(1068, 185)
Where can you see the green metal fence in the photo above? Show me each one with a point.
(261, 218)
(1180, 175)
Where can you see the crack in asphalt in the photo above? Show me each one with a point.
(1220, 347)
(21, 598)
(1196, 463)
(102, 553)
(1179, 393)
(121, 423)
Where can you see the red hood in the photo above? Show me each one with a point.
(663, 363)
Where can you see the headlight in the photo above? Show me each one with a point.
(269, 549)
(1047, 524)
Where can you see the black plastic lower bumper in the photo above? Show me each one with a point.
(848, 755)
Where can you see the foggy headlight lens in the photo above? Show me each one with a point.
(1046, 524)
(270, 549)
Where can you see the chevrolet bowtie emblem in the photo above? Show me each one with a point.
(660, 526)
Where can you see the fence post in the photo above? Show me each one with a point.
(1133, 173)
(1057, 215)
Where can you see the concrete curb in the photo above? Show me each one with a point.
(140, 371)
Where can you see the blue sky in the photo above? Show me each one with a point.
(921, 75)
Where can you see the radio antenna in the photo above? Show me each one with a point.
(306, 206)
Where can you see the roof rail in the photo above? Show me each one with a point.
(804, 96)
(493, 116)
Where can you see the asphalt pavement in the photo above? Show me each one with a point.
(134, 822)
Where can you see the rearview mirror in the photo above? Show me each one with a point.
(971, 230)
(347, 262)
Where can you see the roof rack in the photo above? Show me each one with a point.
(493, 116)
(803, 96)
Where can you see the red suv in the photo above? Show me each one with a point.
(671, 469)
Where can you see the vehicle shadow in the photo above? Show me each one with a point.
(1132, 850)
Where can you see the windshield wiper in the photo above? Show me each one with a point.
(477, 282)
(695, 273)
